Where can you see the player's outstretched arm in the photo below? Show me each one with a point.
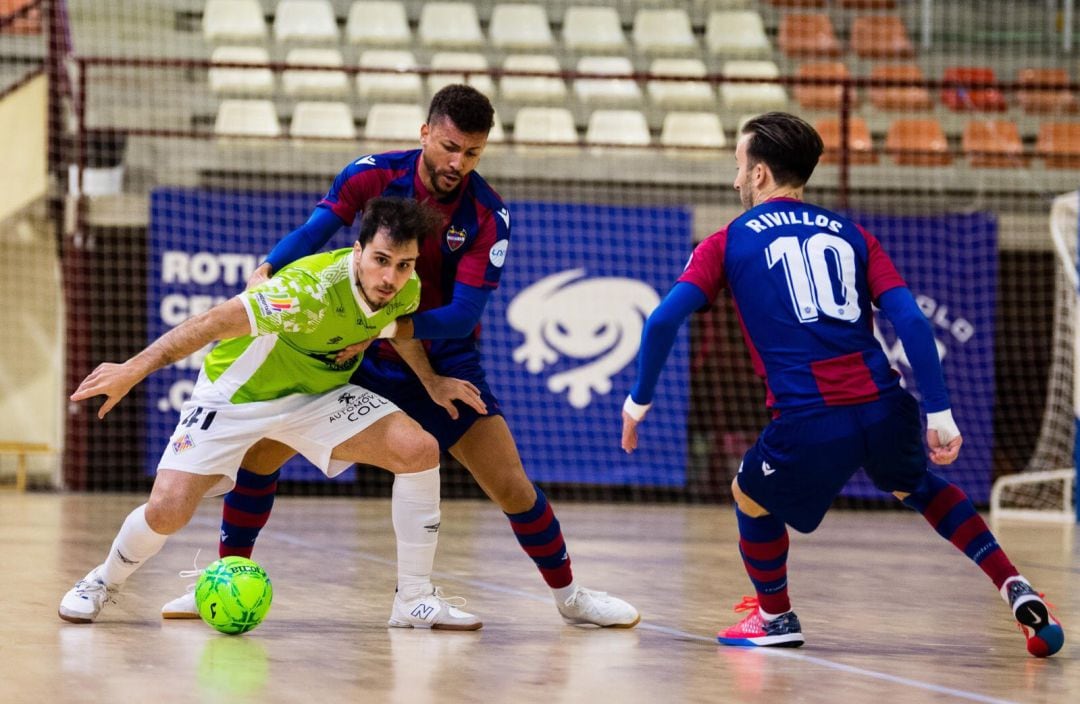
(304, 240)
(113, 381)
(444, 390)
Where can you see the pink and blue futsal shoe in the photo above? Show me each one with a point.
(783, 631)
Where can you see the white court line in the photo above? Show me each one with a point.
(765, 652)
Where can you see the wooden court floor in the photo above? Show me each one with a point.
(891, 614)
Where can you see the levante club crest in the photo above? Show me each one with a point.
(455, 237)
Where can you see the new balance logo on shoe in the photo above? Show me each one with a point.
(422, 611)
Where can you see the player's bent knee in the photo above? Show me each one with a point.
(410, 448)
(747, 505)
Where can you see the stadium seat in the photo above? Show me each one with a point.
(593, 29)
(880, 36)
(752, 96)
(736, 33)
(692, 129)
(450, 25)
(461, 61)
(314, 83)
(520, 27)
(859, 142)
(664, 32)
(319, 119)
(1045, 101)
(1059, 144)
(388, 86)
(823, 97)
(378, 23)
(496, 135)
(247, 118)
(868, 4)
(233, 20)
(532, 89)
(625, 127)
(917, 143)
(607, 91)
(547, 125)
(309, 21)
(899, 98)
(993, 143)
(982, 99)
(391, 121)
(797, 3)
(28, 23)
(680, 94)
(241, 81)
(807, 35)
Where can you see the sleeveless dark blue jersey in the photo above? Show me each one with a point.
(802, 280)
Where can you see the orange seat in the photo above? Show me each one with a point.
(822, 97)
(985, 99)
(1043, 100)
(868, 4)
(880, 36)
(860, 144)
(899, 98)
(808, 34)
(917, 143)
(797, 3)
(29, 23)
(993, 143)
(1059, 144)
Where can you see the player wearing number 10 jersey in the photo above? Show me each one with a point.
(802, 280)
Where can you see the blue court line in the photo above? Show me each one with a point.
(643, 626)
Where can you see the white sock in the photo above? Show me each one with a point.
(415, 512)
(136, 543)
(563, 593)
(769, 617)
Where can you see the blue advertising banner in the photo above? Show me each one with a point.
(560, 335)
(950, 264)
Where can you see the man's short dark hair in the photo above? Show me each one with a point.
(404, 220)
(787, 144)
(466, 107)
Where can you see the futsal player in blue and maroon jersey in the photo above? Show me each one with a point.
(440, 384)
(802, 280)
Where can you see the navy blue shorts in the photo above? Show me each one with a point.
(803, 458)
(394, 380)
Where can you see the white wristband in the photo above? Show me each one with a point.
(943, 423)
(389, 331)
(635, 410)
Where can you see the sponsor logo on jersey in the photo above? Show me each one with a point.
(505, 215)
(270, 304)
(455, 237)
(498, 253)
(356, 407)
(597, 321)
(182, 444)
(368, 160)
(334, 340)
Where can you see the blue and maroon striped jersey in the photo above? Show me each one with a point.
(802, 280)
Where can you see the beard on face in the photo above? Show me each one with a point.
(433, 176)
(746, 195)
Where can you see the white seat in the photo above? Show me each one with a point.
(607, 91)
(546, 125)
(303, 83)
(739, 33)
(305, 21)
(389, 86)
(594, 29)
(378, 23)
(692, 129)
(680, 94)
(663, 32)
(233, 20)
(527, 89)
(247, 118)
(521, 27)
(322, 119)
(247, 81)
(497, 135)
(753, 96)
(461, 61)
(394, 122)
(627, 127)
(450, 25)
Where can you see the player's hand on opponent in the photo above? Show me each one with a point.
(351, 351)
(444, 390)
(943, 437)
(260, 275)
(113, 381)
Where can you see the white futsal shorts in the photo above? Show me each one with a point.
(213, 435)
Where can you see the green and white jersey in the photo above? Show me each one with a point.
(300, 320)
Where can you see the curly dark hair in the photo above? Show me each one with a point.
(469, 109)
(787, 144)
(404, 220)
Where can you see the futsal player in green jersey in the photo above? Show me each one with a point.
(276, 375)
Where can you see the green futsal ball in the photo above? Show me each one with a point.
(233, 595)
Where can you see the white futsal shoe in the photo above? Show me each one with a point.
(87, 598)
(182, 606)
(433, 610)
(588, 607)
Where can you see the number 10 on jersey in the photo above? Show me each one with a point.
(812, 285)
